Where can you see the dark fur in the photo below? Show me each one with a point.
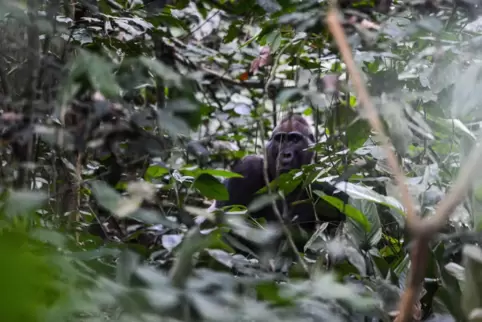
(283, 156)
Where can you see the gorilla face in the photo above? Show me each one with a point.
(287, 147)
(287, 150)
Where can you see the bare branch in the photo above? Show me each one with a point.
(371, 113)
(418, 254)
(423, 230)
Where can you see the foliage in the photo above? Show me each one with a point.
(120, 119)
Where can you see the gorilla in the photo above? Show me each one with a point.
(287, 149)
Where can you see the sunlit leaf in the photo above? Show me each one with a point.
(359, 191)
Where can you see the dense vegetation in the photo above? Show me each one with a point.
(120, 119)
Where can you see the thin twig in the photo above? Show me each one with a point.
(274, 206)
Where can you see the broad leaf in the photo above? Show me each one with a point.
(23, 202)
(210, 187)
(347, 209)
(371, 237)
(262, 201)
(221, 173)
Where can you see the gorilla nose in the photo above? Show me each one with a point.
(287, 156)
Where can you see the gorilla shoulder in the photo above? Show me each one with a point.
(241, 190)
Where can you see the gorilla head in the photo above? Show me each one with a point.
(287, 146)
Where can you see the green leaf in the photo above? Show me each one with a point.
(181, 105)
(370, 212)
(35, 277)
(472, 292)
(49, 236)
(454, 124)
(286, 183)
(262, 201)
(287, 94)
(172, 124)
(111, 200)
(233, 32)
(156, 171)
(127, 264)
(456, 271)
(356, 259)
(193, 242)
(210, 187)
(98, 71)
(201, 212)
(22, 202)
(105, 195)
(431, 24)
(357, 134)
(221, 173)
(449, 293)
(466, 92)
(359, 191)
(163, 71)
(347, 209)
(152, 217)
(274, 40)
(401, 267)
(269, 5)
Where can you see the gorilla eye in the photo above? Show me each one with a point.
(280, 137)
(295, 137)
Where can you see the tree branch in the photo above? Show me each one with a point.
(422, 230)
